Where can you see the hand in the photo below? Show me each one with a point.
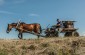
(58, 25)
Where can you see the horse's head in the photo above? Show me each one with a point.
(10, 26)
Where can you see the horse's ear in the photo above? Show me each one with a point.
(8, 24)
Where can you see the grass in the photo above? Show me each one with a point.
(32, 47)
(3, 52)
(44, 46)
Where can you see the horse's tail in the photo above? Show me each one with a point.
(40, 29)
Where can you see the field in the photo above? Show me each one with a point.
(43, 46)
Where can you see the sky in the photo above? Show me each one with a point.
(44, 12)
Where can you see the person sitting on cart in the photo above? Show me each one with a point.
(59, 24)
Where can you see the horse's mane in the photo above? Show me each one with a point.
(20, 23)
(13, 23)
(23, 23)
(34, 23)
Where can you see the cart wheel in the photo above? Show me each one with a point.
(56, 34)
(47, 35)
(67, 34)
(75, 34)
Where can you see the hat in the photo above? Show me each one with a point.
(57, 19)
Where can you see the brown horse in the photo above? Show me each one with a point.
(34, 28)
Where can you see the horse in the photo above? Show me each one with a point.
(25, 28)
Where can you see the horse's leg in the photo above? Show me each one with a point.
(38, 30)
(38, 34)
(19, 36)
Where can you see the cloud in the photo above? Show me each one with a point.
(19, 1)
(6, 12)
(82, 33)
(2, 2)
(11, 2)
(34, 15)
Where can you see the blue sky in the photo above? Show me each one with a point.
(40, 11)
